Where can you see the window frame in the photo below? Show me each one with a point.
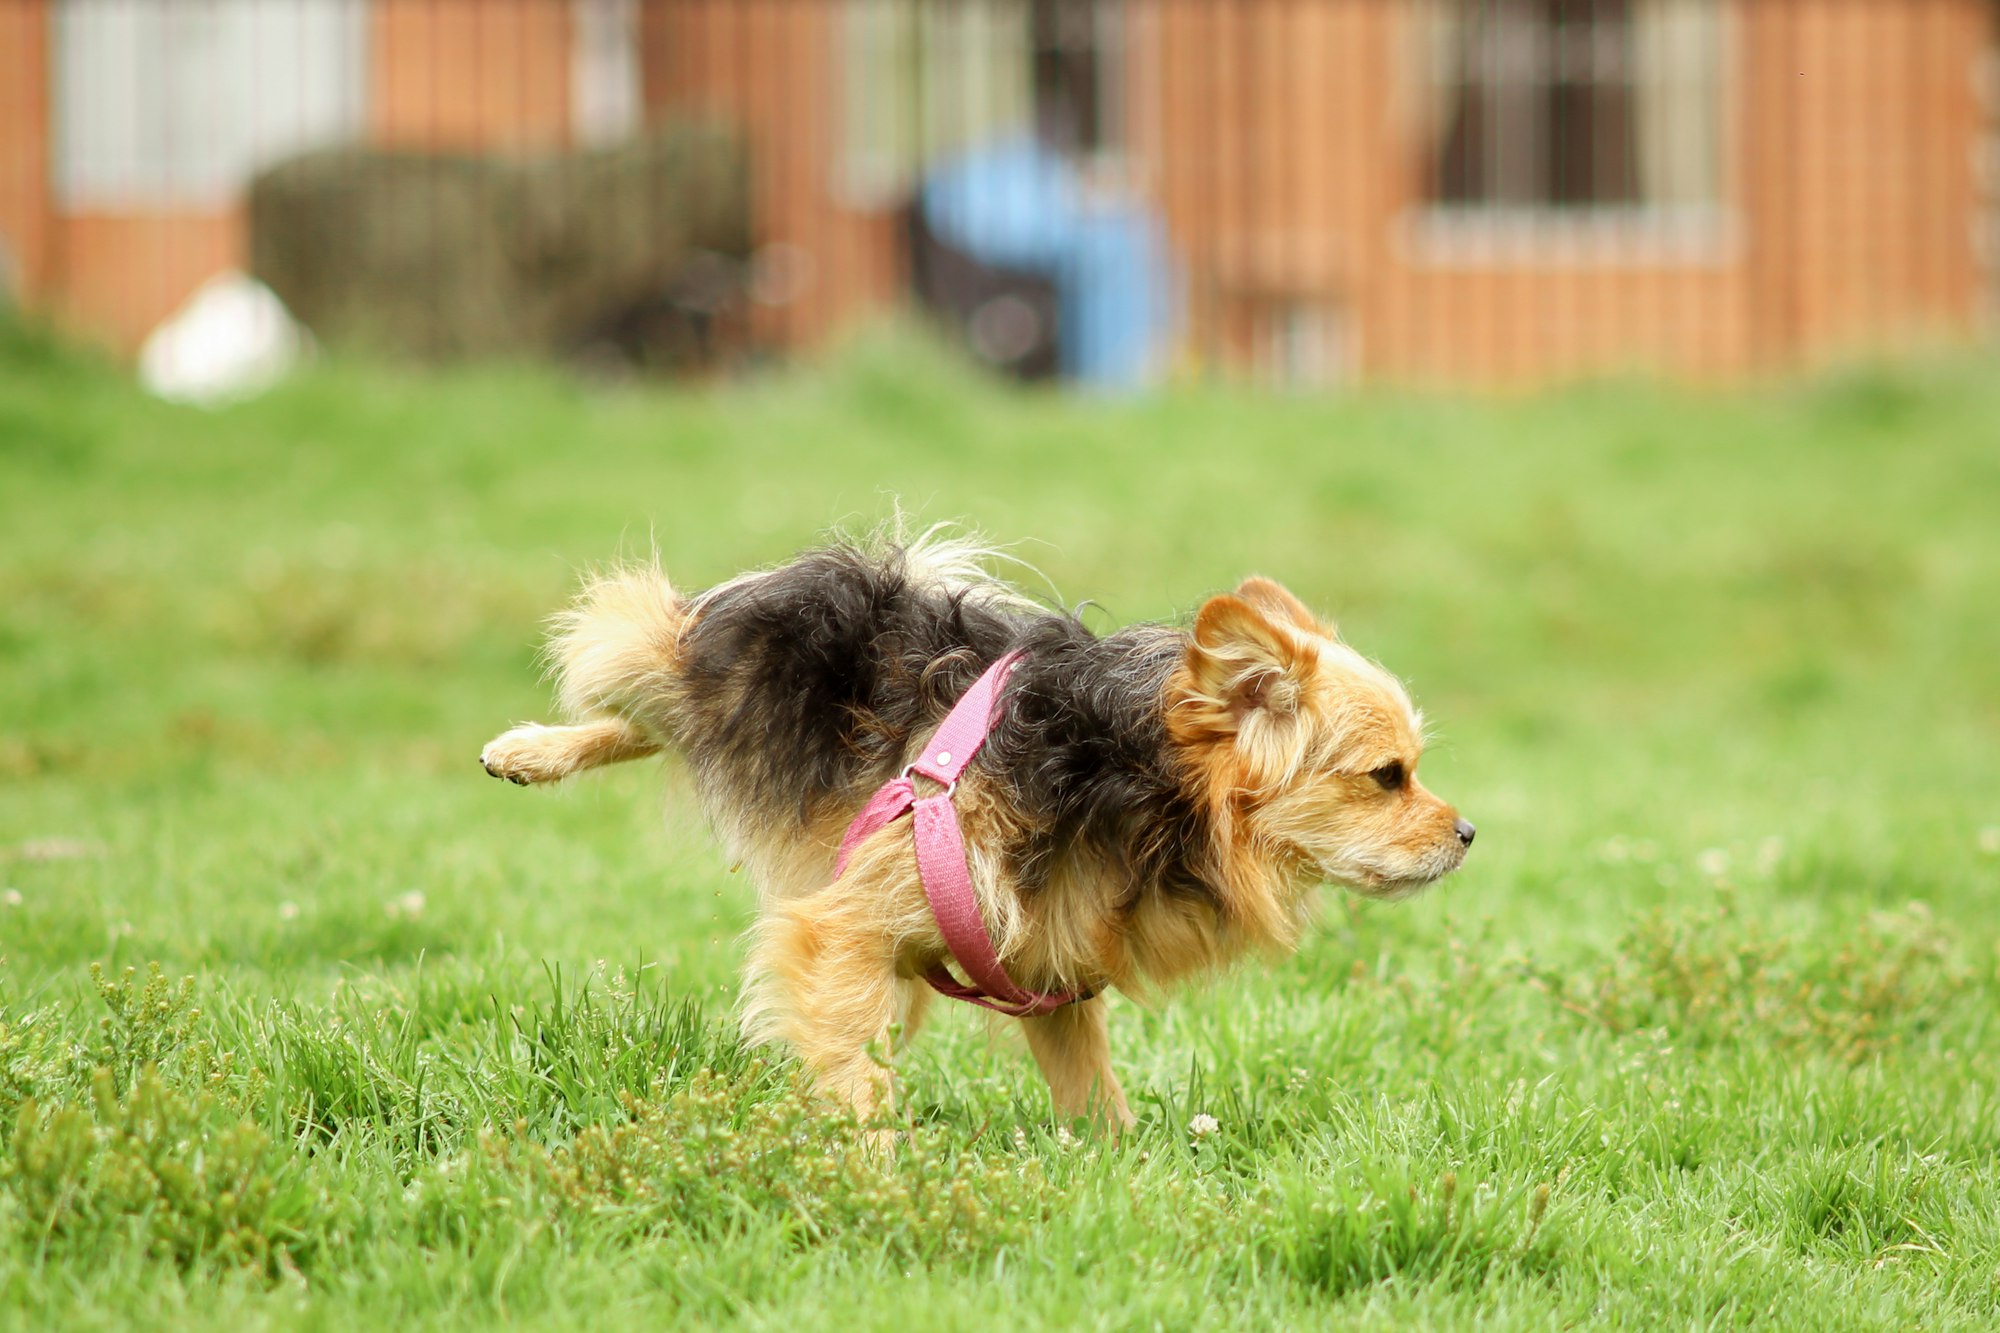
(894, 56)
(172, 104)
(1554, 234)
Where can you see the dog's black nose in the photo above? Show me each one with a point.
(1465, 830)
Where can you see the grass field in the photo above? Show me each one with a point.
(1703, 1035)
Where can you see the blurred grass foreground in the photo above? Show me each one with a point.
(1702, 1035)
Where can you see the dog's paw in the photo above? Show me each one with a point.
(515, 756)
(495, 772)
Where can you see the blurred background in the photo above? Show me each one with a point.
(1110, 193)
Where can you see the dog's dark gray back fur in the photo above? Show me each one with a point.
(805, 688)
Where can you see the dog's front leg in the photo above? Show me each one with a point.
(1074, 1050)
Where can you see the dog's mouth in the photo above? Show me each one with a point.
(1374, 880)
(1391, 890)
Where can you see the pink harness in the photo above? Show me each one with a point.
(941, 854)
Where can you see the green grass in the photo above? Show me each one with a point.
(1703, 1035)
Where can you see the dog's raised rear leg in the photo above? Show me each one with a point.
(1074, 1051)
(535, 753)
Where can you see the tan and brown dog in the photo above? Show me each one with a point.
(1150, 804)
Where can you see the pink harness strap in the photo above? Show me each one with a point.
(941, 854)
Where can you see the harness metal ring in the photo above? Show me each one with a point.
(910, 770)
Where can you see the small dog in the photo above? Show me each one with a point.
(1150, 804)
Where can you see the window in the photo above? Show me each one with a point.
(177, 102)
(605, 96)
(1572, 105)
(923, 79)
(1076, 68)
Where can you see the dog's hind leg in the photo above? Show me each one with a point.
(613, 654)
(535, 753)
(823, 979)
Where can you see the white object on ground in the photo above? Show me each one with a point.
(231, 340)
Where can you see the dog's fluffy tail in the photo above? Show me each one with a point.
(614, 650)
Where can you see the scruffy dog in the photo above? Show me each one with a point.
(1149, 804)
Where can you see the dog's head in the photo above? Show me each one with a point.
(1308, 751)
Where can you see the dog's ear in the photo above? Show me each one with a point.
(1242, 664)
(1275, 600)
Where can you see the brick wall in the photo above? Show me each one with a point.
(1845, 223)
(26, 211)
(472, 74)
(1272, 136)
(771, 68)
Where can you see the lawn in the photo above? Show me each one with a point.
(1704, 1034)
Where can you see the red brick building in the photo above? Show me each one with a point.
(1465, 191)
(128, 131)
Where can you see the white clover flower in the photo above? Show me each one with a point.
(1989, 840)
(12, 897)
(1714, 863)
(1204, 1125)
(288, 911)
(408, 904)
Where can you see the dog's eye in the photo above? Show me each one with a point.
(1389, 775)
